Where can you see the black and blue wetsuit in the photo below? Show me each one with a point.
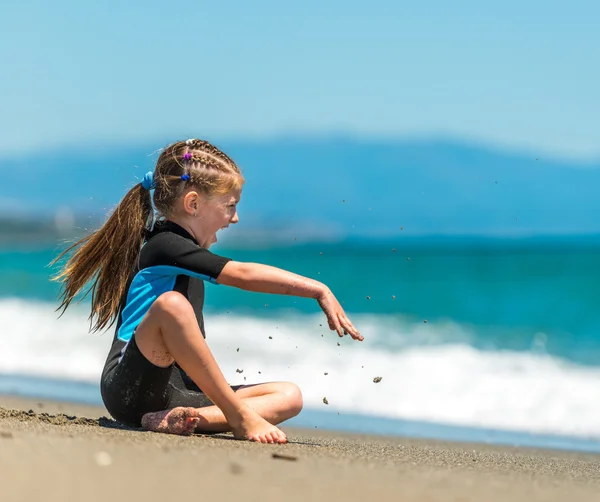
(170, 260)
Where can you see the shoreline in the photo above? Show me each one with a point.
(78, 393)
(64, 451)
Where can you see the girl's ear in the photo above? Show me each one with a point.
(191, 201)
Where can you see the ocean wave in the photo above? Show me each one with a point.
(428, 373)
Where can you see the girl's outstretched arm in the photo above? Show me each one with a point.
(267, 279)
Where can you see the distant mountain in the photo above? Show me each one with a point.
(334, 187)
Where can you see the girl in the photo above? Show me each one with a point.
(160, 373)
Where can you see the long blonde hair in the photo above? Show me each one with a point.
(109, 255)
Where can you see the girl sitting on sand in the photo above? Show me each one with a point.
(160, 374)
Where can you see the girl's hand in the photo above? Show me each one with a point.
(336, 317)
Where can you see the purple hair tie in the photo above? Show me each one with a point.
(187, 156)
(185, 177)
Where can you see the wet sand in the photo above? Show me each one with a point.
(60, 452)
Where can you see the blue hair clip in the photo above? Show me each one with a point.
(148, 181)
(185, 177)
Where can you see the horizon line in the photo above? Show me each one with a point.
(441, 139)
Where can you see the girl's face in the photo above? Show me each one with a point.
(203, 217)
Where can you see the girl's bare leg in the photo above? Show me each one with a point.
(169, 332)
(275, 402)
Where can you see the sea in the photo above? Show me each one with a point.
(494, 341)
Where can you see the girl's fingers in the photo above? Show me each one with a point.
(338, 327)
(350, 329)
(339, 323)
(349, 326)
(343, 325)
(334, 324)
(356, 336)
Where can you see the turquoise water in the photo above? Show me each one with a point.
(510, 352)
(506, 294)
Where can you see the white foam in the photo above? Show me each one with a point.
(422, 377)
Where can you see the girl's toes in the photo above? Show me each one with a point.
(190, 425)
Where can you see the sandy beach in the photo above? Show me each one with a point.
(61, 452)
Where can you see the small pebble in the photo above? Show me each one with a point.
(377, 379)
(270, 338)
(283, 457)
(239, 371)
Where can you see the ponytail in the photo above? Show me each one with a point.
(107, 256)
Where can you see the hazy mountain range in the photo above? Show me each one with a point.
(332, 187)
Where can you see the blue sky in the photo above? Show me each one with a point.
(521, 75)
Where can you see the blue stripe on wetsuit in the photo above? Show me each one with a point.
(147, 285)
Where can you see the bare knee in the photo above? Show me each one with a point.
(172, 305)
(166, 318)
(293, 397)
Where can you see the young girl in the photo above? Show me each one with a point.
(160, 374)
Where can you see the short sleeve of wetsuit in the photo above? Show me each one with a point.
(172, 249)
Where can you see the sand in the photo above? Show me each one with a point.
(68, 452)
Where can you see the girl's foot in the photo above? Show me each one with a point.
(183, 421)
(180, 421)
(255, 428)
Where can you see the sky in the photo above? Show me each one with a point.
(512, 74)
